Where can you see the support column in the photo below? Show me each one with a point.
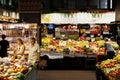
(117, 10)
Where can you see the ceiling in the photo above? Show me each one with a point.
(76, 4)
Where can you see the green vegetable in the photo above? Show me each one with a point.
(20, 76)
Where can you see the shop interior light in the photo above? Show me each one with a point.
(1, 26)
(11, 26)
(26, 26)
(8, 19)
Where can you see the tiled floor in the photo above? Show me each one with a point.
(66, 75)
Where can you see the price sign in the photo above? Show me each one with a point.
(105, 32)
(62, 43)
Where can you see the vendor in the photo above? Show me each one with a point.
(109, 49)
(20, 49)
(83, 37)
(34, 51)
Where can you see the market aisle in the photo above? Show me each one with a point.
(66, 75)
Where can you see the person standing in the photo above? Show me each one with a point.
(34, 51)
(109, 49)
(20, 49)
(4, 44)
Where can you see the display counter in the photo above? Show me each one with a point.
(61, 55)
(16, 69)
(72, 53)
(69, 61)
(109, 69)
(52, 55)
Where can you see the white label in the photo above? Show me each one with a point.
(106, 32)
(62, 43)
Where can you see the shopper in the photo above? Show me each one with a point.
(4, 44)
(109, 49)
(34, 51)
(20, 49)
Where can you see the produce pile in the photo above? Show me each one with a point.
(49, 44)
(111, 67)
(13, 69)
(109, 63)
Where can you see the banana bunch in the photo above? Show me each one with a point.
(117, 57)
(46, 41)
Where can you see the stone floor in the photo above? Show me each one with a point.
(66, 75)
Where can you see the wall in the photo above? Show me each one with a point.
(117, 10)
(30, 13)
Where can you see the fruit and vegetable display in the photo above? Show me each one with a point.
(13, 69)
(56, 45)
(111, 68)
(108, 63)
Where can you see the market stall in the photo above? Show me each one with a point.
(61, 32)
(72, 53)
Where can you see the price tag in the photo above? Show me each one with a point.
(106, 32)
(62, 43)
(18, 65)
(87, 31)
(4, 32)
